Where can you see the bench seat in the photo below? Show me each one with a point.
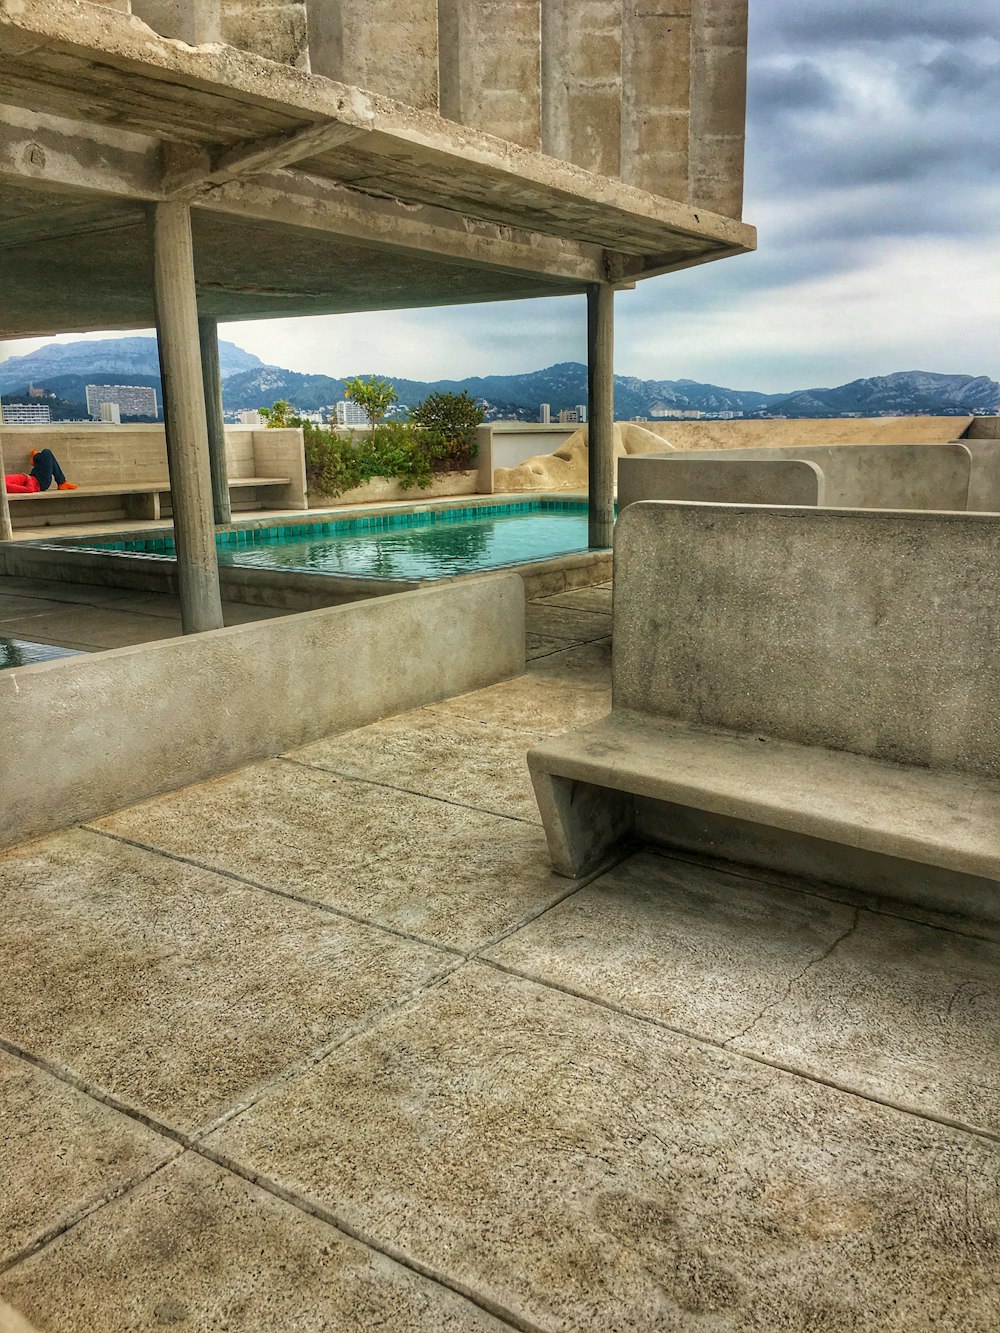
(142, 500)
(587, 783)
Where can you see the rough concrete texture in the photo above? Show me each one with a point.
(565, 469)
(440, 199)
(781, 481)
(551, 1140)
(859, 476)
(261, 688)
(781, 613)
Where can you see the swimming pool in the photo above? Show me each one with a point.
(410, 545)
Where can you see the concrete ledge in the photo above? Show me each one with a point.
(87, 735)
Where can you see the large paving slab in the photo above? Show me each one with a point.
(530, 701)
(197, 1248)
(580, 599)
(174, 989)
(894, 1009)
(439, 871)
(435, 753)
(560, 622)
(587, 666)
(586, 1170)
(61, 1154)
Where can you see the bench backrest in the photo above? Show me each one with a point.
(876, 633)
(865, 476)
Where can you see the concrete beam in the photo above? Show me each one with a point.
(184, 415)
(187, 171)
(601, 414)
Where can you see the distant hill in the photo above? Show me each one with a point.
(902, 394)
(128, 360)
(66, 368)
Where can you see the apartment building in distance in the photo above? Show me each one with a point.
(25, 414)
(132, 400)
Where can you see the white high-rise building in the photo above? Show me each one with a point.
(250, 417)
(581, 411)
(569, 416)
(346, 413)
(545, 413)
(111, 413)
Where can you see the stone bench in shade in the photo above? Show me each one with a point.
(815, 692)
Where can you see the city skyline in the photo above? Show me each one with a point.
(872, 179)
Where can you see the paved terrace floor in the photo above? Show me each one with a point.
(323, 1045)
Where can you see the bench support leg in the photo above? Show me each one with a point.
(601, 413)
(208, 333)
(184, 412)
(586, 827)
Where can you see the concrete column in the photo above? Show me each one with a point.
(389, 46)
(275, 29)
(490, 66)
(656, 79)
(582, 83)
(601, 412)
(184, 413)
(6, 527)
(208, 337)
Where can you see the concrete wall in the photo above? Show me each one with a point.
(984, 483)
(582, 83)
(86, 735)
(894, 476)
(512, 443)
(725, 481)
(656, 95)
(874, 633)
(808, 432)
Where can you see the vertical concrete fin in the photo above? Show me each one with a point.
(268, 28)
(582, 83)
(491, 66)
(388, 46)
(718, 108)
(656, 86)
(193, 21)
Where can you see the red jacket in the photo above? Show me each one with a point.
(20, 483)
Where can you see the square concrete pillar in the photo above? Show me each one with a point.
(268, 28)
(491, 72)
(389, 46)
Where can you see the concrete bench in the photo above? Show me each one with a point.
(147, 501)
(812, 692)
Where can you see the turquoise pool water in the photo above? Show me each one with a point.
(23, 652)
(431, 544)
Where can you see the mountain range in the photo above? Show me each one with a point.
(66, 368)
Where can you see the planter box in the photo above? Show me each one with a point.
(381, 489)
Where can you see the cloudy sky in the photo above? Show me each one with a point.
(873, 178)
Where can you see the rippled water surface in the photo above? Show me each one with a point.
(432, 551)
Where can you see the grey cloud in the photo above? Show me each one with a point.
(777, 91)
(854, 23)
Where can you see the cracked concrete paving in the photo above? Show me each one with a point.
(323, 1045)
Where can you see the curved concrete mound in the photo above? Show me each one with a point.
(566, 468)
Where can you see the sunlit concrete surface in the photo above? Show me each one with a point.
(324, 1045)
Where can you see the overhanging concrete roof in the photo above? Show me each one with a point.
(309, 196)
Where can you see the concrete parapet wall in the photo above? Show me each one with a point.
(892, 476)
(866, 632)
(808, 432)
(87, 735)
(737, 481)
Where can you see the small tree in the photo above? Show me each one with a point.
(280, 415)
(373, 396)
(453, 415)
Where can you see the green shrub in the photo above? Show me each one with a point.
(452, 419)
